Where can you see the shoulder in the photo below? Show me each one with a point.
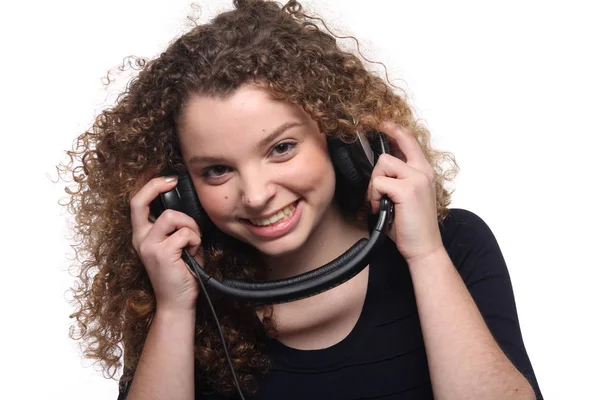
(471, 244)
(460, 216)
(461, 224)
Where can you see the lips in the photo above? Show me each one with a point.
(282, 214)
(281, 226)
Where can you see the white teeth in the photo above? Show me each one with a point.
(285, 213)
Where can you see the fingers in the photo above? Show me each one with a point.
(170, 232)
(169, 222)
(184, 238)
(381, 186)
(407, 144)
(140, 204)
(407, 160)
(395, 178)
(398, 191)
(388, 165)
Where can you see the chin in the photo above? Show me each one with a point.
(279, 247)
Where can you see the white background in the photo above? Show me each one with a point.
(511, 88)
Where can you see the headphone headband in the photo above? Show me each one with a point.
(308, 284)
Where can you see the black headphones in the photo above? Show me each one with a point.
(353, 163)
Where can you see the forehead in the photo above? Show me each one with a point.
(210, 124)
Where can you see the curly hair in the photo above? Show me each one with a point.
(300, 62)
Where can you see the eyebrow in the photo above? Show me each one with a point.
(262, 143)
(277, 132)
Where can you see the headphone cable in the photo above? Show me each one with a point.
(212, 309)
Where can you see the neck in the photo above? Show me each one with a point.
(334, 235)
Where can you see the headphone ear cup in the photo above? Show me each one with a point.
(190, 204)
(351, 161)
(352, 180)
(343, 163)
(354, 166)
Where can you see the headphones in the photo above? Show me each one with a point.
(353, 163)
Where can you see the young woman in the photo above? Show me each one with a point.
(247, 105)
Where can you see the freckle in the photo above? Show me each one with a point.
(226, 197)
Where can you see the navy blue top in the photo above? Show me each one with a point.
(384, 356)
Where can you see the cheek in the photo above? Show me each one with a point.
(328, 180)
(216, 201)
(313, 173)
(324, 175)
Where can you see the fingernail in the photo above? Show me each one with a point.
(170, 178)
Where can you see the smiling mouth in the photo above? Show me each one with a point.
(275, 218)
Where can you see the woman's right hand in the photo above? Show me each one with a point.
(160, 245)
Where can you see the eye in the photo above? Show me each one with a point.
(282, 149)
(216, 171)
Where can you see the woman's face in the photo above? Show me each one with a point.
(260, 167)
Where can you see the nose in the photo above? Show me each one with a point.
(257, 190)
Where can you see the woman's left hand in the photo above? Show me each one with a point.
(410, 185)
